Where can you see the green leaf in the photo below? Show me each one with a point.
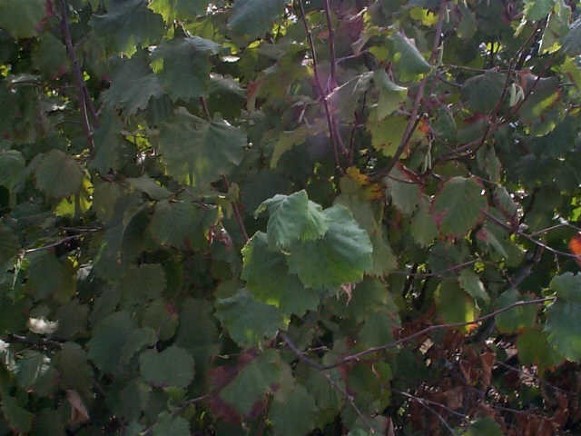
(72, 319)
(423, 227)
(404, 192)
(19, 419)
(341, 256)
(345, 98)
(253, 18)
(132, 86)
(377, 330)
(567, 286)
(50, 56)
(391, 95)
(198, 333)
(179, 9)
(158, 317)
(458, 206)
(453, 304)
(481, 93)
(183, 224)
(484, 426)
(199, 151)
(168, 424)
(9, 244)
(248, 321)
(470, 282)
(290, 405)
(534, 349)
(12, 166)
(572, 40)
(267, 277)
(186, 66)
(50, 277)
(21, 17)
(536, 10)
(408, 59)
(563, 328)
(112, 151)
(127, 24)
(30, 366)
(253, 382)
(74, 369)
(142, 284)
(387, 134)
(58, 175)
(516, 319)
(148, 186)
(293, 218)
(173, 366)
(114, 342)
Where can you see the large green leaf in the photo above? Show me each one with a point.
(186, 67)
(129, 23)
(248, 321)
(267, 277)
(21, 17)
(481, 93)
(567, 286)
(253, 382)
(11, 168)
(536, 10)
(115, 340)
(179, 9)
(58, 175)
(391, 95)
(74, 369)
(19, 419)
(132, 85)
(572, 40)
(534, 349)
(404, 192)
(423, 227)
(293, 218)
(182, 224)
(50, 277)
(408, 59)
(516, 319)
(454, 305)
(563, 328)
(199, 151)
(173, 366)
(458, 206)
(30, 366)
(9, 244)
(253, 18)
(142, 284)
(471, 283)
(341, 256)
(170, 424)
(287, 406)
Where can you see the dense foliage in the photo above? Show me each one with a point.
(264, 217)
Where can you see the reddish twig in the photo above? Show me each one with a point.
(85, 103)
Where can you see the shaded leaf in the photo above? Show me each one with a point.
(132, 86)
(481, 93)
(287, 406)
(458, 206)
(470, 282)
(253, 18)
(12, 166)
(9, 244)
(534, 349)
(267, 277)
(173, 366)
(248, 321)
(169, 424)
(19, 419)
(58, 175)
(253, 382)
(453, 304)
(516, 319)
(563, 328)
(423, 226)
(21, 17)
(572, 40)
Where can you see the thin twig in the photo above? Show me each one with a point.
(357, 356)
(426, 404)
(414, 119)
(331, 39)
(85, 103)
(322, 93)
(237, 214)
(52, 245)
(301, 356)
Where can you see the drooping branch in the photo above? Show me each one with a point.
(89, 118)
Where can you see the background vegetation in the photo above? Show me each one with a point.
(264, 217)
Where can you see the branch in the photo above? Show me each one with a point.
(332, 58)
(52, 245)
(426, 404)
(350, 399)
(355, 357)
(85, 102)
(320, 90)
(414, 119)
